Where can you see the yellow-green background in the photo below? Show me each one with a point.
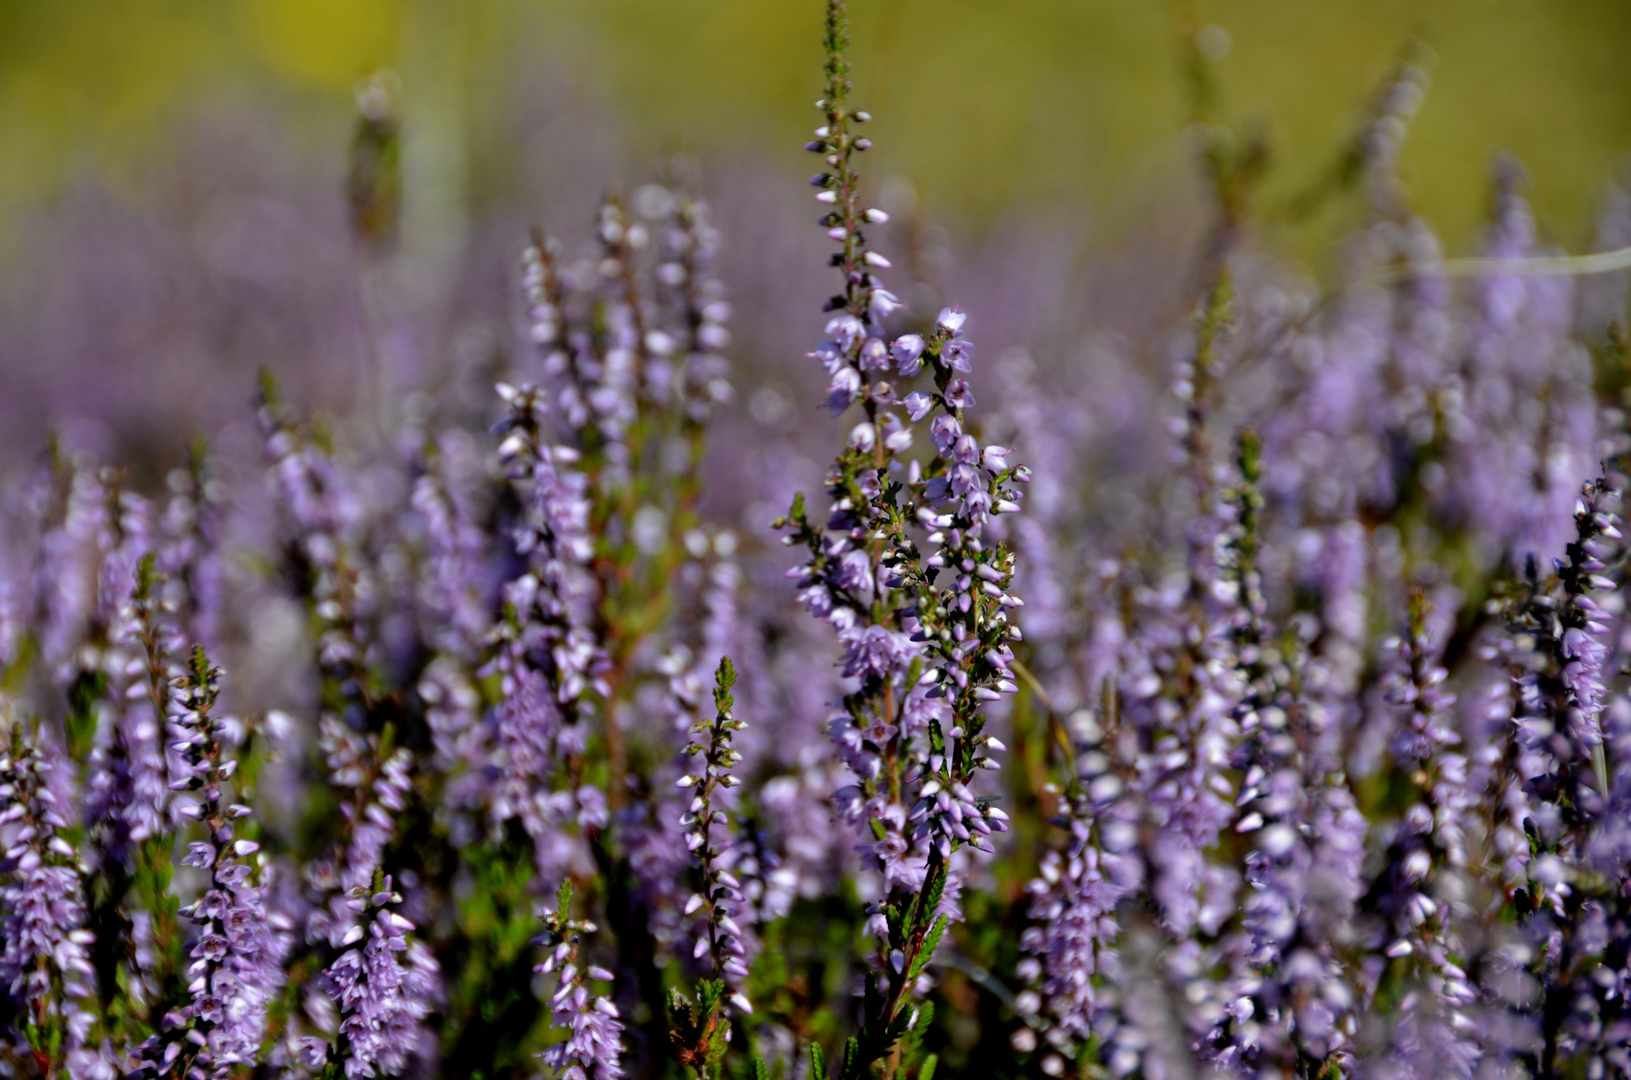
(988, 105)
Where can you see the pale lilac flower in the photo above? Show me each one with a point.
(908, 353)
(844, 389)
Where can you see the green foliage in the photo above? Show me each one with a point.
(724, 683)
(84, 709)
(490, 966)
(699, 1028)
(930, 942)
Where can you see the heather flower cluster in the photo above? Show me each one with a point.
(721, 892)
(593, 1045)
(237, 955)
(44, 961)
(1250, 701)
(381, 985)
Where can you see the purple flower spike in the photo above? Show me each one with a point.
(238, 955)
(384, 985)
(45, 964)
(593, 1048)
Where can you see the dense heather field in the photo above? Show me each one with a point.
(1251, 703)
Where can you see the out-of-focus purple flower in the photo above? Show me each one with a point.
(1071, 947)
(323, 510)
(544, 651)
(876, 652)
(189, 555)
(456, 590)
(845, 388)
(67, 578)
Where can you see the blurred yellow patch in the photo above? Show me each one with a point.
(325, 44)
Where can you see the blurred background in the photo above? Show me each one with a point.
(173, 208)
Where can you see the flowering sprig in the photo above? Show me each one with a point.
(700, 1029)
(383, 984)
(1240, 549)
(1292, 1006)
(1570, 871)
(926, 637)
(545, 651)
(719, 892)
(64, 588)
(101, 712)
(45, 963)
(687, 244)
(383, 981)
(96, 676)
(1582, 648)
(1372, 151)
(189, 555)
(1414, 897)
(593, 1048)
(1182, 682)
(651, 829)
(378, 776)
(455, 593)
(1289, 1008)
(1558, 656)
(866, 302)
(599, 367)
(237, 963)
(1070, 951)
(866, 569)
(160, 663)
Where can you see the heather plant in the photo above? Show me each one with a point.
(1303, 755)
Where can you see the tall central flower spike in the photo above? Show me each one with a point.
(907, 571)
